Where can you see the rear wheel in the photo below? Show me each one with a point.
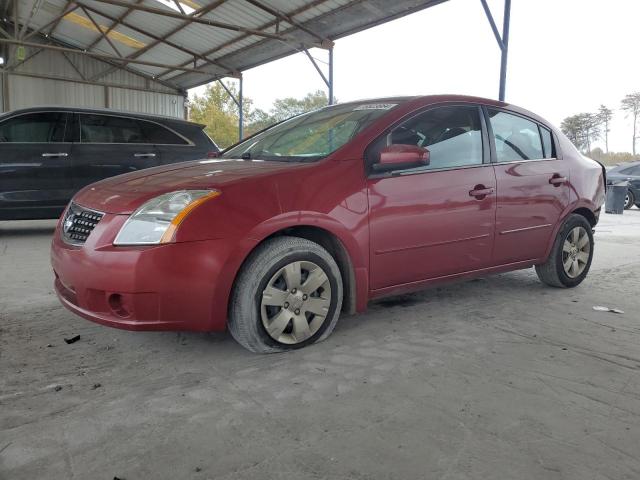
(571, 255)
(629, 200)
(288, 295)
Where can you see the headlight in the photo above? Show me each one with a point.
(157, 220)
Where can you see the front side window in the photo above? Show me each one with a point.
(516, 137)
(45, 127)
(453, 136)
(109, 129)
(311, 136)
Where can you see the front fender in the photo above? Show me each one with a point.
(355, 242)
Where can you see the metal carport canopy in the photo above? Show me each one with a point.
(187, 43)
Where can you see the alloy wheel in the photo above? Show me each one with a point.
(575, 252)
(295, 303)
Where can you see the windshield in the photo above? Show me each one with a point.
(311, 136)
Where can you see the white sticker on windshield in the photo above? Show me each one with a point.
(376, 106)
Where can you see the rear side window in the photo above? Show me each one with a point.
(547, 142)
(45, 127)
(516, 137)
(109, 129)
(156, 133)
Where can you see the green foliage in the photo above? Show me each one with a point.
(218, 111)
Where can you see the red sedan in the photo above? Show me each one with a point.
(326, 211)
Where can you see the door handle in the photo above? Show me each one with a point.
(139, 155)
(557, 180)
(480, 191)
(58, 154)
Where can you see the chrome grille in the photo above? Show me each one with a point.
(78, 224)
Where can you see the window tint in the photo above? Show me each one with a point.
(45, 127)
(108, 129)
(547, 143)
(156, 133)
(631, 171)
(452, 135)
(516, 138)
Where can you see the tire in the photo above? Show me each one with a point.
(630, 200)
(269, 293)
(567, 251)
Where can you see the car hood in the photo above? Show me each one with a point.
(125, 193)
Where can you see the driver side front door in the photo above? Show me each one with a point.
(437, 220)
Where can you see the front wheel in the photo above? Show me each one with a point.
(629, 200)
(287, 295)
(571, 255)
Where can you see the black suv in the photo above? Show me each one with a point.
(47, 154)
(630, 173)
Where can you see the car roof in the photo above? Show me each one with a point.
(105, 111)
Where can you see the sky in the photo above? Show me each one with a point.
(565, 57)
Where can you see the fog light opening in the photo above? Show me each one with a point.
(116, 302)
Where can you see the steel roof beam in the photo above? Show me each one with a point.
(101, 56)
(192, 19)
(242, 37)
(65, 11)
(102, 34)
(114, 24)
(164, 39)
(286, 18)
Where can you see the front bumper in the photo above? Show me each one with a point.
(164, 287)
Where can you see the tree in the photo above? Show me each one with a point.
(631, 105)
(582, 129)
(284, 108)
(605, 115)
(217, 110)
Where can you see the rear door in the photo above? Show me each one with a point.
(110, 145)
(35, 165)
(533, 186)
(435, 220)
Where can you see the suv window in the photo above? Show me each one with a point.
(516, 137)
(453, 136)
(44, 127)
(156, 133)
(109, 129)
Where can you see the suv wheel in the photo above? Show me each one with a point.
(629, 200)
(287, 295)
(571, 255)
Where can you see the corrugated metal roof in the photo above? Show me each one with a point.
(151, 31)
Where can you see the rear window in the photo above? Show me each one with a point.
(114, 129)
(158, 134)
(109, 129)
(516, 137)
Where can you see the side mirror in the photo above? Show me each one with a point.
(399, 157)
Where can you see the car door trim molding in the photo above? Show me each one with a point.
(434, 244)
(516, 230)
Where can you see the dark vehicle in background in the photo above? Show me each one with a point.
(629, 172)
(47, 154)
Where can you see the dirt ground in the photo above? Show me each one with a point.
(497, 378)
